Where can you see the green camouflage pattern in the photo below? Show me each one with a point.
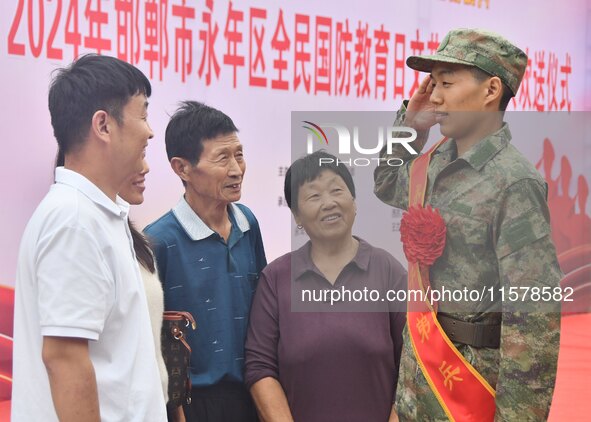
(475, 47)
(498, 234)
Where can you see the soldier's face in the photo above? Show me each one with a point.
(459, 99)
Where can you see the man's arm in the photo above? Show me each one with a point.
(391, 181)
(530, 332)
(270, 400)
(76, 292)
(71, 379)
(180, 414)
(260, 249)
(159, 249)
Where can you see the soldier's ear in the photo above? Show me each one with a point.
(494, 92)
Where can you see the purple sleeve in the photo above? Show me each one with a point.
(397, 323)
(263, 334)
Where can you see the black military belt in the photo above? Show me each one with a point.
(471, 333)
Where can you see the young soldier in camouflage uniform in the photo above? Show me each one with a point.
(494, 205)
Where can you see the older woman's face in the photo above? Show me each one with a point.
(326, 207)
(132, 190)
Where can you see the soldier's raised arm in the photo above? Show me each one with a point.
(391, 180)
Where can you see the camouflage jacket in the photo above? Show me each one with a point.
(498, 235)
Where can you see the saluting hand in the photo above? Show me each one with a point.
(420, 112)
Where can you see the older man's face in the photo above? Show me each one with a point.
(218, 175)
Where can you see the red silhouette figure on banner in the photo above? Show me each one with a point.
(547, 161)
(580, 223)
(562, 207)
(571, 228)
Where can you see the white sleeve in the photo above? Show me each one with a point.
(76, 288)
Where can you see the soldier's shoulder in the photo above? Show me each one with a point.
(512, 166)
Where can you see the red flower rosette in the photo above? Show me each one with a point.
(422, 231)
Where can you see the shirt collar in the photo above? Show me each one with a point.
(91, 191)
(301, 260)
(194, 226)
(448, 147)
(481, 153)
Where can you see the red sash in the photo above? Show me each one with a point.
(462, 392)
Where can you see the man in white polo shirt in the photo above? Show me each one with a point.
(83, 346)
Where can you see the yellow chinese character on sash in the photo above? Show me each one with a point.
(449, 376)
(424, 327)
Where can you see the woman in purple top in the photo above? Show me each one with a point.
(315, 353)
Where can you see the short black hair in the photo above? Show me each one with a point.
(89, 84)
(307, 169)
(481, 76)
(191, 124)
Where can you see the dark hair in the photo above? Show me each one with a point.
(143, 251)
(60, 159)
(190, 125)
(89, 84)
(481, 76)
(307, 169)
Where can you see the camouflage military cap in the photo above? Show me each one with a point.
(474, 47)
